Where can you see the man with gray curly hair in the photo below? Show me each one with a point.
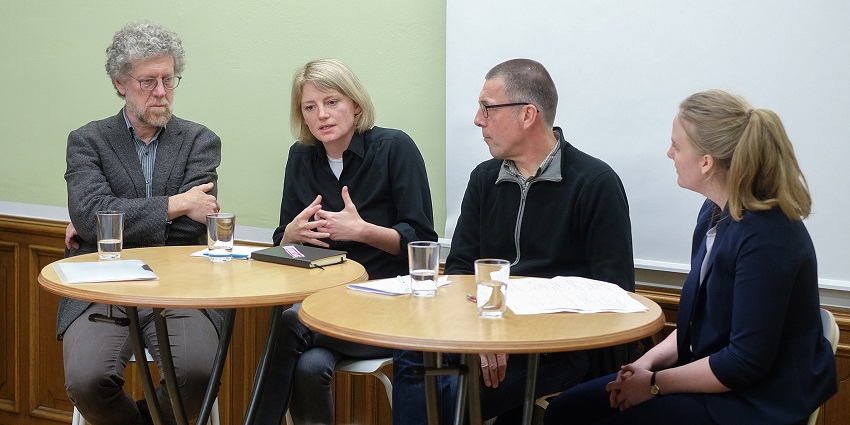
(160, 171)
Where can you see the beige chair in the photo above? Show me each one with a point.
(830, 332)
(362, 367)
(540, 406)
(78, 419)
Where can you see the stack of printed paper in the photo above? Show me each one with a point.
(571, 294)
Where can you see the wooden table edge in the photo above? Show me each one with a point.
(548, 346)
(139, 301)
(80, 292)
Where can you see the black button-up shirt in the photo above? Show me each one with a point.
(387, 181)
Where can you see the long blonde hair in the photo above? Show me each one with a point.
(752, 147)
(328, 74)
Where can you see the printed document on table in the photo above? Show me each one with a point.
(568, 294)
(104, 271)
(398, 285)
(239, 252)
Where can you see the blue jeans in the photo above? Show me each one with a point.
(300, 370)
(556, 372)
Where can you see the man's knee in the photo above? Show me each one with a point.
(403, 360)
(193, 375)
(92, 387)
(289, 315)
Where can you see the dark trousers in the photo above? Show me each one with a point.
(556, 372)
(95, 355)
(588, 403)
(300, 371)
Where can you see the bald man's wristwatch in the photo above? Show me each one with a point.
(653, 388)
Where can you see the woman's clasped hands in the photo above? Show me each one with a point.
(314, 223)
(630, 388)
(345, 225)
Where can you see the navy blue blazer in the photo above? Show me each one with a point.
(756, 316)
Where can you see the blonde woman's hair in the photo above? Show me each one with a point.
(752, 147)
(328, 74)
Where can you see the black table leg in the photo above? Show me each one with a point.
(168, 366)
(218, 366)
(141, 360)
(259, 378)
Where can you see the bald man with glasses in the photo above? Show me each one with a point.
(549, 209)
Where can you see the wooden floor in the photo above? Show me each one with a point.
(31, 373)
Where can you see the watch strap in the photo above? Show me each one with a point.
(653, 388)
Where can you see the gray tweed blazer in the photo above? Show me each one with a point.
(104, 173)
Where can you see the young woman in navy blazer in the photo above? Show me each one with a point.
(748, 348)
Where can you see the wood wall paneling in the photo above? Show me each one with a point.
(32, 388)
(9, 338)
(48, 398)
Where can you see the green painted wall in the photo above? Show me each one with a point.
(241, 57)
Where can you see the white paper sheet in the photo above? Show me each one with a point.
(398, 285)
(104, 271)
(568, 294)
(239, 252)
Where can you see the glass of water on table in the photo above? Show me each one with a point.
(110, 234)
(491, 283)
(221, 228)
(424, 260)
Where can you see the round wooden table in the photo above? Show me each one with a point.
(196, 282)
(448, 322)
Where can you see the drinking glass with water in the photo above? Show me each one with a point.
(491, 283)
(221, 229)
(110, 234)
(424, 261)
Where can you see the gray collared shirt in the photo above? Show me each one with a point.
(146, 153)
(549, 169)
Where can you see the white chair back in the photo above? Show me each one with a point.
(831, 333)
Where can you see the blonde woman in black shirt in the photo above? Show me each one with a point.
(350, 186)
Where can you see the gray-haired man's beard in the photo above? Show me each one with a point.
(159, 120)
(149, 117)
